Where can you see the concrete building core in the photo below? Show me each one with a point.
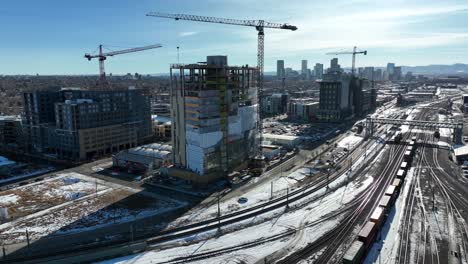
(215, 117)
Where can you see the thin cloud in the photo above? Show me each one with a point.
(189, 33)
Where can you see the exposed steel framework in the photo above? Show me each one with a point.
(259, 25)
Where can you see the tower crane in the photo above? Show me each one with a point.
(354, 52)
(259, 25)
(102, 57)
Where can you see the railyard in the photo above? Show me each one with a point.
(311, 207)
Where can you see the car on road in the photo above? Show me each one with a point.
(242, 200)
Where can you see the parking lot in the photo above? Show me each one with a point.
(308, 132)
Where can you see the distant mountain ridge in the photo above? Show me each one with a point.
(436, 69)
(456, 68)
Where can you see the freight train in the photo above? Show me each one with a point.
(358, 250)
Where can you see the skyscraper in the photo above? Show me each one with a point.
(304, 67)
(334, 66)
(369, 73)
(390, 68)
(318, 71)
(397, 74)
(280, 69)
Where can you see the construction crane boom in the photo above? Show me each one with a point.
(227, 21)
(354, 52)
(259, 26)
(103, 55)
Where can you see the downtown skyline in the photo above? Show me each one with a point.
(52, 37)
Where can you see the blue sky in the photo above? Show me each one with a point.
(51, 36)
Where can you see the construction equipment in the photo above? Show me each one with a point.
(354, 52)
(259, 25)
(102, 57)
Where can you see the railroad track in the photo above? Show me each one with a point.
(335, 237)
(213, 223)
(451, 208)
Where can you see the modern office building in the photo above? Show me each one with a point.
(378, 75)
(398, 74)
(280, 73)
(369, 73)
(38, 114)
(275, 104)
(10, 131)
(390, 68)
(318, 71)
(335, 97)
(364, 96)
(334, 66)
(303, 109)
(82, 124)
(214, 119)
(304, 67)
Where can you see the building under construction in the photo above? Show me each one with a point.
(215, 118)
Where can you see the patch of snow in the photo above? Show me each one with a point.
(350, 141)
(9, 199)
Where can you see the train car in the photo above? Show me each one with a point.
(404, 166)
(410, 149)
(412, 143)
(401, 174)
(397, 138)
(367, 234)
(397, 183)
(413, 138)
(355, 253)
(408, 157)
(377, 216)
(385, 203)
(391, 193)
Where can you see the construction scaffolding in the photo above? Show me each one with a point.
(215, 115)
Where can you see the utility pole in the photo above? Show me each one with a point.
(271, 191)
(287, 197)
(219, 214)
(27, 237)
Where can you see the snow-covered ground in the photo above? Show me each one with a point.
(256, 229)
(350, 141)
(72, 202)
(300, 218)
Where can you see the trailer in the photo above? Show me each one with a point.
(355, 253)
(367, 234)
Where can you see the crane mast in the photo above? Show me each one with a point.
(259, 25)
